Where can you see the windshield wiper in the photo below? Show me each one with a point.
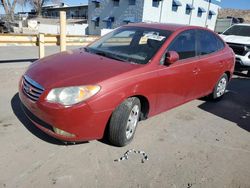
(86, 49)
(109, 55)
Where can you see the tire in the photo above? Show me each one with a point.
(124, 121)
(220, 87)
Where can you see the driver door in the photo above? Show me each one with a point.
(177, 81)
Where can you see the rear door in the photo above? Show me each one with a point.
(210, 65)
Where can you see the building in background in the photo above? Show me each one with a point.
(109, 14)
(74, 12)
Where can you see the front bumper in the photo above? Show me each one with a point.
(80, 120)
(242, 62)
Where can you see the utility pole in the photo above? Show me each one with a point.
(208, 9)
(190, 17)
(161, 11)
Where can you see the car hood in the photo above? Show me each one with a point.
(236, 39)
(74, 68)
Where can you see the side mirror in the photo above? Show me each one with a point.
(171, 57)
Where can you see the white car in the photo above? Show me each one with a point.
(238, 38)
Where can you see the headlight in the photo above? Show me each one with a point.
(68, 96)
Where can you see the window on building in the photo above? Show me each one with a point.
(116, 3)
(156, 3)
(131, 2)
(200, 11)
(189, 9)
(211, 14)
(96, 21)
(109, 21)
(185, 44)
(97, 3)
(175, 5)
(129, 20)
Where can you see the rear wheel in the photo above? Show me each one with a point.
(220, 87)
(124, 121)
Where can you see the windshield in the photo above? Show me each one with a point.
(239, 30)
(130, 44)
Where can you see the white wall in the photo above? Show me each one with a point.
(165, 14)
(199, 21)
(204, 21)
(179, 16)
(143, 11)
(150, 13)
(75, 29)
(212, 22)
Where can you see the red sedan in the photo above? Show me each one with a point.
(130, 74)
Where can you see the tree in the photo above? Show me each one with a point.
(9, 8)
(37, 5)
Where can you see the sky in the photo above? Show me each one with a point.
(237, 4)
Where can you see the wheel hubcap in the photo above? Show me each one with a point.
(221, 87)
(132, 121)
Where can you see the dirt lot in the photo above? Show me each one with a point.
(200, 144)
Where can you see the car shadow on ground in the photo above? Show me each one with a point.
(235, 105)
(17, 110)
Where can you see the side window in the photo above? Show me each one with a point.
(131, 2)
(184, 44)
(220, 43)
(155, 3)
(208, 43)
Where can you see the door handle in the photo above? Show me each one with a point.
(196, 70)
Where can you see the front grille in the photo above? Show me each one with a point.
(31, 89)
(238, 49)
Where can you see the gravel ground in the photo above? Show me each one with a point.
(199, 144)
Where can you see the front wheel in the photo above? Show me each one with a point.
(220, 87)
(124, 121)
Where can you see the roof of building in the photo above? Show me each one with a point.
(65, 7)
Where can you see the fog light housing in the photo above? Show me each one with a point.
(62, 132)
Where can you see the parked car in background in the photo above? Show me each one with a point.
(238, 38)
(130, 74)
(224, 23)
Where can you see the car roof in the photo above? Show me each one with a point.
(165, 26)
